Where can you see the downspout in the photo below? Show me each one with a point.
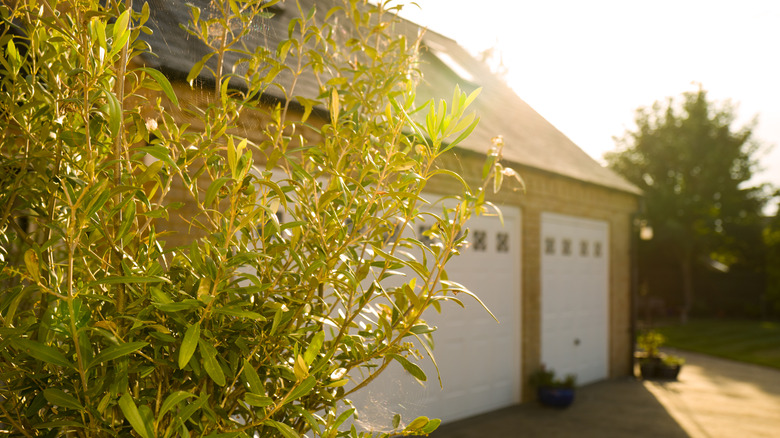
(635, 230)
(634, 292)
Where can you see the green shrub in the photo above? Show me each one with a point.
(650, 341)
(545, 378)
(255, 326)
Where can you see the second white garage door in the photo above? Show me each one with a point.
(575, 272)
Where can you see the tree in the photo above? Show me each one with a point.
(255, 327)
(693, 167)
(772, 242)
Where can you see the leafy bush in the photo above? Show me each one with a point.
(545, 378)
(650, 341)
(254, 326)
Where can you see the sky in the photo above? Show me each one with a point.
(586, 66)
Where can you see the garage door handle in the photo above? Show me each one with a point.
(577, 341)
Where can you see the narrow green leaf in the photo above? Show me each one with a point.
(463, 289)
(14, 297)
(114, 112)
(231, 156)
(471, 97)
(301, 369)
(197, 68)
(128, 219)
(43, 352)
(190, 409)
(119, 41)
(223, 90)
(163, 82)
(498, 178)
(210, 363)
(257, 400)
(428, 346)
(458, 99)
(284, 429)
(62, 399)
(302, 389)
(98, 198)
(239, 312)
(277, 320)
(410, 367)
(116, 351)
(179, 306)
(144, 13)
(283, 49)
(342, 418)
(130, 411)
(431, 426)
(161, 153)
(422, 328)
(308, 105)
(214, 188)
(188, 344)
(462, 135)
(418, 423)
(57, 424)
(252, 379)
(31, 263)
(147, 416)
(430, 121)
(172, 400)
(337, 383)
(464, 122)
(452, 174)
(334, 107)
(13, 56)
(314, 348)
(150, 173)
(313, 422)
(120, 25)
(128, 280)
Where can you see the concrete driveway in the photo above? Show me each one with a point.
(712, 398)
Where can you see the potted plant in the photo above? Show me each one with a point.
(649, 359)
(552, 391)
(670, 367)
(652, 363)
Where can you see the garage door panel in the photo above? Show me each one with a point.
(574, 296)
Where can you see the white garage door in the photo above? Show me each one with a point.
(479, 359)
(575, 270)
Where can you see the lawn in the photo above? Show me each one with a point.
(746, 341)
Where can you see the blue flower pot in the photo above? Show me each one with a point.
(556, 397)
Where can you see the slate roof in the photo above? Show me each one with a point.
(529, 139)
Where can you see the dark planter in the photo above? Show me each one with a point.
(555, 397)
(655, 368)
(648, 367)
(669, 372)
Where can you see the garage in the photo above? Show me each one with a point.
(574, 290)
(479, 359)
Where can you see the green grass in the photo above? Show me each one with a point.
(746, 341)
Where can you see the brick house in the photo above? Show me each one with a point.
(556, 274)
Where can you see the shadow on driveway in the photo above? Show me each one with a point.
(613, 408)
(713, 398)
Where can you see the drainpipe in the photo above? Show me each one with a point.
(639, 230)
(634, 298)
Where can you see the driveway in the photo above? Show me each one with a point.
(712, 398)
